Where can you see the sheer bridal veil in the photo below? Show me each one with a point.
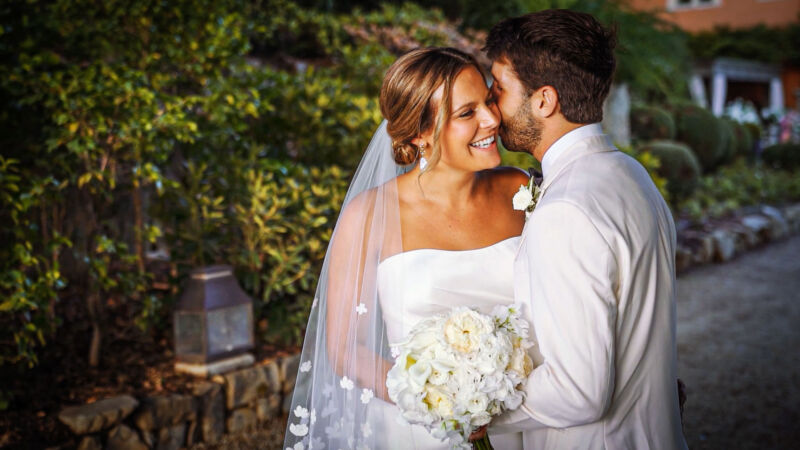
(345, 353)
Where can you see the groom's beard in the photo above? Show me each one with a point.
(522, 132)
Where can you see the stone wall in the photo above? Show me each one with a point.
(723, 240)
(233, 403)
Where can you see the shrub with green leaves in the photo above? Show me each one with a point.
(783, 156)
(739, 185)
(678, 165)
(701, 131)
(30, 273)
(650, 122)
(272, 221)
(744, 139)
(651, 163)
(730, 142)
(755, 131)
(195, 125)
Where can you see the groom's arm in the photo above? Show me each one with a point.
(573, 276)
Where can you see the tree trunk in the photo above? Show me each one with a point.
(93, 305)
(139, 224)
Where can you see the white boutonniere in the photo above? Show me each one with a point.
(526, 198)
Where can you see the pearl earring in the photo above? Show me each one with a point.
(423, 162)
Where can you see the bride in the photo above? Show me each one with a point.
(427, 225)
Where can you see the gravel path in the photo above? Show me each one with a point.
(739, 350)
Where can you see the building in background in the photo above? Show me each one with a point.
(716, 83)
(703, 15)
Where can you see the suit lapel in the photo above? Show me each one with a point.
(584, 147)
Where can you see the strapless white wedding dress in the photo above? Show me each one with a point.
(419, 283)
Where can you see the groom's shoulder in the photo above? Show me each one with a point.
(507, 175)
(604, 167)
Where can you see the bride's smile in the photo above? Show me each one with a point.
(469, 137)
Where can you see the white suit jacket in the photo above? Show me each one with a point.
(596, 275)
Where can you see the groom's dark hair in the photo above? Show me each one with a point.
(565, 49)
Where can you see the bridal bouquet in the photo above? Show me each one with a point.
(456, 370)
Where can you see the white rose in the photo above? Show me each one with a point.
(478, 403)
(439, 401)
(522, 199)
(480, 419)
(520, 362)
(464, 328)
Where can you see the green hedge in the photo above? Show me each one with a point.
(703, 133)
(739, 185)
(678, 166)
(192, 125)
(730, 142)
(783, 156)
(651, 122)
(745, 141)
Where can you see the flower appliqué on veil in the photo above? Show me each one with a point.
(526, 198)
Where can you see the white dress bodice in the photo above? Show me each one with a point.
(419, 283)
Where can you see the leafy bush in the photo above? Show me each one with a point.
(651, 122)
(678, 166)
(761, 43)
(651, 163)
(755, 132)
(744, 139)
(729, 142)
(270, 220)
(739, 185)
(30, 274)
(701, 131)
(783, 156)
(194, 126)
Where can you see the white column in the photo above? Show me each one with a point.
(719, 89)
(698, 90)
(616, 114)
(776, 94)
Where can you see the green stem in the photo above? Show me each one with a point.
(482, 443)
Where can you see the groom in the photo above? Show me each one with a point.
(595, 267)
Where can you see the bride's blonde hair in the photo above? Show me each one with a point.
(407, 98)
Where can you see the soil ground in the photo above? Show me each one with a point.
(738, 340)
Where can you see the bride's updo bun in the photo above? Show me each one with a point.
(407, 101)
(404, 153)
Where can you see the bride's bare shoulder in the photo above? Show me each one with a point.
(365, 202)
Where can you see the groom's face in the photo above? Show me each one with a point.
(519, 130)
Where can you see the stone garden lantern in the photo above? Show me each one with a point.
(213, 323)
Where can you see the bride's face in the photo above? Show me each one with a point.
(468, 137)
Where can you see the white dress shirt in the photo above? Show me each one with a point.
(566, 141)
(595, 273)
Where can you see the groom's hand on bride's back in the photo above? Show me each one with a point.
(478, 434)
(681, 396)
